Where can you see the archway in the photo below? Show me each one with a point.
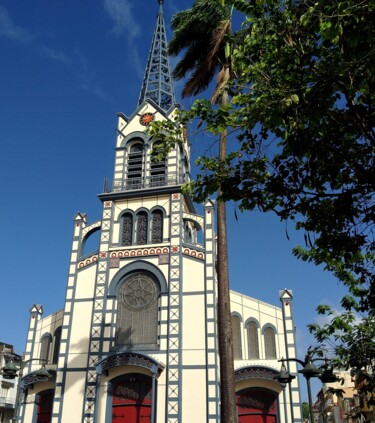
(132, 399)
(256, 405)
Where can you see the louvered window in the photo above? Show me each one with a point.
(127, 229)
(269, 343)
(45, 347)
(237, 346)
(135, 166)
(56, 347)
(142, 228)
(157, 227)
(137, 313)
(187, 233)
(252, 340)
(157, 167)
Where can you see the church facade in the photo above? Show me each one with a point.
(136, 341)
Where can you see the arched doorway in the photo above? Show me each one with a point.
(44, 403)
(132, 399)
(256, 405)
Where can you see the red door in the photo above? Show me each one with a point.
(132, 399)
(44, 402)
(256, 406)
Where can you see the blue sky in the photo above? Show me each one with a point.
(67, 68)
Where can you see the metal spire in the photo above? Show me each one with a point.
(157, 81)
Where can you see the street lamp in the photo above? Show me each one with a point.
(308, 371)
(9, 371)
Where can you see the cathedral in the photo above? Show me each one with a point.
(137, 339)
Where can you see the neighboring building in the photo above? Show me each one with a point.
(8, 387)
(341, 409)
(137, 338)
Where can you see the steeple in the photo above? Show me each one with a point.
(157, 81)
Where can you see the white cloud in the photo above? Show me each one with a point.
(56, 55)
(9, 29)
(125, 24)
(121, 14)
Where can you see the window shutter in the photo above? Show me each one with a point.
(142, 226)
(252, 340)
(127, 229)
(45, 347)
(269, 343)
(157, 227)
(236, 328)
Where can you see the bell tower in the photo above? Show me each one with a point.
(153, 276)
(135, 170)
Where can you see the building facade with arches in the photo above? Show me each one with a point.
(136, 341)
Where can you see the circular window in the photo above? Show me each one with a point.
(139, 291)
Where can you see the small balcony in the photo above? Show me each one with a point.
(6, 402)
(154, 181)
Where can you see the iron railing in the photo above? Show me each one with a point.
(6, 402)
(131, 184)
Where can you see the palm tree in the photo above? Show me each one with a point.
(200, 32)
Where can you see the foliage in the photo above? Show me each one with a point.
(301, 119)
(350, 340)
(302, 123)
(305, 411)
(199, 32)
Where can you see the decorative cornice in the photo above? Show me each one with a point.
(129, 359)
(193, 253)
(254, 373)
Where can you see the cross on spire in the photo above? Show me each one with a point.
(157, 82)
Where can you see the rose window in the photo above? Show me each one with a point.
(139, 291)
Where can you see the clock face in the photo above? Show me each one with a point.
(146, 118)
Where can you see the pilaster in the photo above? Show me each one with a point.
(213, 389)
(98, 316)
(293, 397)
(174, 372)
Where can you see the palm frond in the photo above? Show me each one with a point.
(199, 32)
(221, 83)
(218, 36)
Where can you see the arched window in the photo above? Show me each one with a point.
(142, 228)
(187, 233)
(237, 346)
(252, 340)
(127, 229)
(269, 343)
(44, 401)
(56, 346)
(157, 227)
(45, 346)
(135, 166)
(137, 312)
(158, 167)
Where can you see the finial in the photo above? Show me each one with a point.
(161, 1)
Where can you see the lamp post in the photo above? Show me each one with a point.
(308, 371)
(9, 371)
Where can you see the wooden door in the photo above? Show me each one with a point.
(256, 406)
(132, 399)
(44, 401)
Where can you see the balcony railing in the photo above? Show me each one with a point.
(131, 184)
(6, 402)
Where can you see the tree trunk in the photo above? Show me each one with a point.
(228, 407)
